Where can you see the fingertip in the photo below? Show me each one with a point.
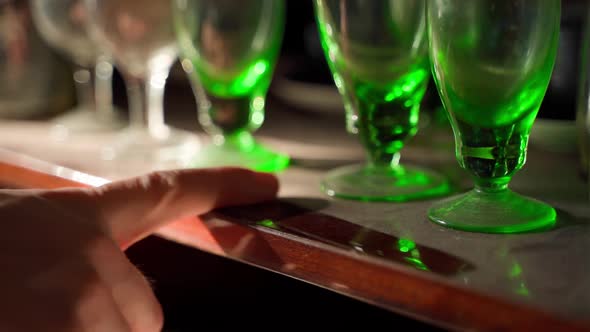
(243, 186)
(135, 207)
(268, 181)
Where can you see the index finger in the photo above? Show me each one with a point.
(133, 208)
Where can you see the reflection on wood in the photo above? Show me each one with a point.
(288, 217)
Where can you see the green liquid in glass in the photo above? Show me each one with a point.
(230, 48)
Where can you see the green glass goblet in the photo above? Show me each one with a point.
(378, 54)
(229, 49)
(492, 62)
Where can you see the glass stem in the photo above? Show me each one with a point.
(374, 123)
(382, 159)
(103, 94)
(503, 152)
(84, 82)
(146, 105)
(231, 121)
(242, 140)
(491, 185)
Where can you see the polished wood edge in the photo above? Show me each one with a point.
(22, 171)
(14, 176)
(396, 289)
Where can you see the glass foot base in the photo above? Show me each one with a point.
(500, 212)
(136, 149)
(82, 121)
(400, 184)
(253, 156)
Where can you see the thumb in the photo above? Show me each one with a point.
(134, 208)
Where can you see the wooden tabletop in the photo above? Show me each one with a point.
(386, 254)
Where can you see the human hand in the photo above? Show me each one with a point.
(63, 269)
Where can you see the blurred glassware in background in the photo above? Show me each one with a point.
(34, 82)
(378, 54)
(583, 111)
(230, 49)
(140, 38)
(63, 24)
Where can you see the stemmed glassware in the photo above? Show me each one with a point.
(378, 53)
(230, 49)
(139, 36)
(62, 23)
(492, 62)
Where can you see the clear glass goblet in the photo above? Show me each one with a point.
(139, 35)
(62, 23)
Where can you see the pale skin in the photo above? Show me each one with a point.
(61, 251)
